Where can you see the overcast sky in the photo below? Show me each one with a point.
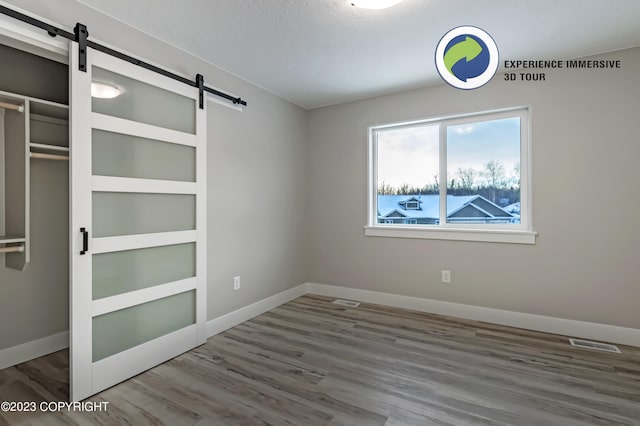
(410, 155)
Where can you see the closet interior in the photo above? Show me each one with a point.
(34, 197)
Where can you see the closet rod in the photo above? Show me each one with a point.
(51, 147)
(14, 107)
(13, 249)
(49, 156)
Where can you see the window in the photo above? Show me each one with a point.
(412, 205)
(462, 178)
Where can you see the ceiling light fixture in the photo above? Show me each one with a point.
(104, 90)
(374, 4)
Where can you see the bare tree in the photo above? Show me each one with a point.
(516, 174)
(495, 176)
(467, 176)
(385, 189)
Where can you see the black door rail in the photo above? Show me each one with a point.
(81, 36)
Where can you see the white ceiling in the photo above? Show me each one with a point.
(322, 52)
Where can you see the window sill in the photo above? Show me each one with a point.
(492, 236)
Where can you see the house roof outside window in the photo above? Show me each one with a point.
(468, 207)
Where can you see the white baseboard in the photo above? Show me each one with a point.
(565, 327)
(225, 322)
(41, 347)
(34, 349)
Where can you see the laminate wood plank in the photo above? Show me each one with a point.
(311, 362)
(518, 354)
(291, 383)
(241, 387)
(407, 418)
(378, 382)
(342, 385)
(222, 410)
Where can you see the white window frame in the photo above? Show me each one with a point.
(521, 233)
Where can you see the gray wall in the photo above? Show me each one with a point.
(256, 187)
(586, 203)
(34, 76)
(256, 201)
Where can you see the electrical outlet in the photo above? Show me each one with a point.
(236, 283)
(446, 277)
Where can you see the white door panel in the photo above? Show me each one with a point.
(138, 236)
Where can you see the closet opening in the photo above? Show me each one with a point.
(34, 205)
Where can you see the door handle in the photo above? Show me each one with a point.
(85, 241)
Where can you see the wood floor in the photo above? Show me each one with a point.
(311, 362)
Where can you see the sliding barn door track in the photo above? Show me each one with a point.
(81, 36)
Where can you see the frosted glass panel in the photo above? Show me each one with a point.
(115, 154)
(116, 213)
(120, 330)
(121, 272)
(145, 103)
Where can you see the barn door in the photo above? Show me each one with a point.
(138, 217)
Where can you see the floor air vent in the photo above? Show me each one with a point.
(595, 345)
(349, 303)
